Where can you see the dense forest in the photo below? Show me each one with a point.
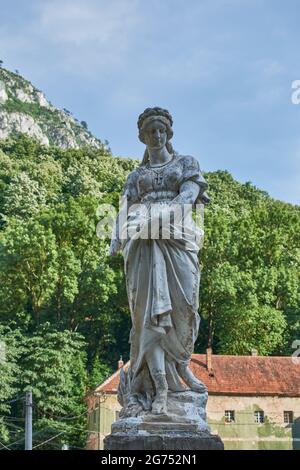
(64, 317)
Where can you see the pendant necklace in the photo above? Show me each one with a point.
(158, 178)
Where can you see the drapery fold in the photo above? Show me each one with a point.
(162, 278)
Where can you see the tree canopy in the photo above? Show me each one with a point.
(64, 316)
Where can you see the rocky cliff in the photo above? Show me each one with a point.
(24, 109)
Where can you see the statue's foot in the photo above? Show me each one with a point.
(191, 381)
(159, 404)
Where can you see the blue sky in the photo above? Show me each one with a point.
(224, 69)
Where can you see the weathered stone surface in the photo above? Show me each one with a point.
(24, 96)
(162, 280)
(3, 94)
(20, 123)
(42, 100)
(20, 114)
(183, 427)
(183, 409)
(166, 441)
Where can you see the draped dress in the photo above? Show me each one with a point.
(162, 271)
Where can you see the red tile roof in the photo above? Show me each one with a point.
(238, 375)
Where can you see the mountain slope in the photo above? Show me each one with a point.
(24, 109)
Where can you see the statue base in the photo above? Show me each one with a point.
(183, 427)
(164, 441)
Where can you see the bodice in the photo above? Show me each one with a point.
(164, 181)
(163, 178)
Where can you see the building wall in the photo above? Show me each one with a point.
(244, 433)
(102, 414)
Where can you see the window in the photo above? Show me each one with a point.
(229, 416)
(259, 417)
(117, 415)
(288, 417)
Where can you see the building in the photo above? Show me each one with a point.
(254, 401)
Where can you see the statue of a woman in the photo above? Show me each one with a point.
(162, 273)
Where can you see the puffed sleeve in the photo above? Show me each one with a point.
(191, 172)
(130, 190)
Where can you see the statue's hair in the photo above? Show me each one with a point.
(159, 114)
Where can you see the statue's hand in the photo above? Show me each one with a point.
(205, 198)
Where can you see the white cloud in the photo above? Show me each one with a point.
(151, 39)
(89, 33)
(86, 23)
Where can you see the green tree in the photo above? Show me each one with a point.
(28, 269)
(10, 350)
(54, 368)
(243, 329)
(250, 261)
(23, 197)
(99, 373)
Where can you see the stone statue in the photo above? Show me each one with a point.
(162, 272)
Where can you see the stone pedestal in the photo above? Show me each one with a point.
(184, 427)
(163, 441)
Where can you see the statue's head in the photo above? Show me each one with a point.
(155, 123)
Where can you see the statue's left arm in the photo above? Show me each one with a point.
(188, 194)
(193, 186)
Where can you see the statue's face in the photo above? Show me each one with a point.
(155, 135)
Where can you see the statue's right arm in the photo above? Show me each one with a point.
(129, 198)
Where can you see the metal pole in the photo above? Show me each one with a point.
(28, 421)
(99, 422)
